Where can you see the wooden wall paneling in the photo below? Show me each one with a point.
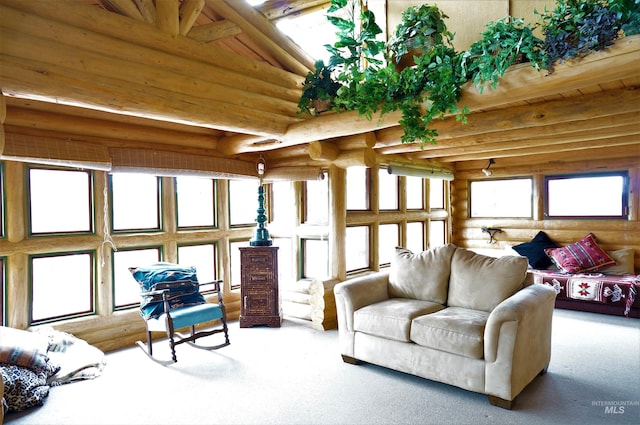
(611, 234)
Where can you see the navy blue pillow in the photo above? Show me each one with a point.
(182, 283)
(534, 250)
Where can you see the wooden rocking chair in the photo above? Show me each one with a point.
(171, 300)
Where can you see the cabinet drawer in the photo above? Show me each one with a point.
(261, 277)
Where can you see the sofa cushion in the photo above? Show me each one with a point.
(584, 255)
(421, 276)
(391, 318)
(454, 330)
(479, 282)
(534, 250)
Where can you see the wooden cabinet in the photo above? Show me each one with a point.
(259, 287)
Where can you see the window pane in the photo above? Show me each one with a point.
(317, 199)
(283, 205)
(60, 201)
(203, 258)
(415, 236)
(135, 201)
(61, 286)
(501, 198)
(437, 233)
(415, 194)
(126, 291)
(243, 202)
(2, 299)
(387, 190)
(388, 240)
(316, 258)
(436, 193)
(357, 192)
(234, 259)
(196, 205)
(574, 196)
(1, 206)
(285, 272)
(357, 248)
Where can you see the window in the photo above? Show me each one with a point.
(388, 240)
(203, 257)
(502, 198)
(316, 198)
(234, 260)
(1, 205)
(2, 299)
(436, 193)
(415, 236)
(387, 190)
(586, 196)
(285, 271)
(243, 202)
(437, 233)
(60, 201)
(315, 253)
(135, 201)
(415, 193)
(195, 202)
(126, 291)
(357, 248)
(357, 192)
(283, 201)
(62, 286)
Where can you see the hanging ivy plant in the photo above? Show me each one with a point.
(575, 28)
(505, 42)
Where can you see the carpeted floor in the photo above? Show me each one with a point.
(294, 375)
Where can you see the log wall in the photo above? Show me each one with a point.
(611, 234)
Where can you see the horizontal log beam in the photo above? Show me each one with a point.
(214, 31)
(627, 135)
(323, 151)
(496, 125)
(57, 56)
(263, 32)
(23, 78)
(356, 158)
(94, 19)
(81, 126)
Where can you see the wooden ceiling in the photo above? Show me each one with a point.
(216, 78)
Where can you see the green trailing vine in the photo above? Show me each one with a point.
(431, 89)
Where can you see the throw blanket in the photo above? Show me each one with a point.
(32, 362)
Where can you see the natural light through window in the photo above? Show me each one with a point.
(502, 198)
(573, 196)
(135, 201)
(60, 200)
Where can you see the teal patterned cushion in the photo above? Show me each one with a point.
(182, 283)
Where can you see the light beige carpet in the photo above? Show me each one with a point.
(294, 375)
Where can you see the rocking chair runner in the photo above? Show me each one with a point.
(171, 300)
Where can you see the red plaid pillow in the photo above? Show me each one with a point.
(582, 256)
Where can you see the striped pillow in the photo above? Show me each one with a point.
(582, 256)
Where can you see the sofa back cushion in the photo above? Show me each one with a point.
(421, 276)
(481, 283)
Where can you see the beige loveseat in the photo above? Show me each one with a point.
(452, 316)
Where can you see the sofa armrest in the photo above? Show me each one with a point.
(358, 292)
(351, 295)
(517, 340)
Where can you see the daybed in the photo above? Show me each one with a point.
(584, 276)
(450, 315)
